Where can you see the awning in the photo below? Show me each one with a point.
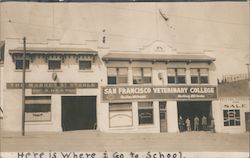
(62, 53)
(158, 57)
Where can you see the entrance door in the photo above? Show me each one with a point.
(78, 112)
(247, 120)
(163, 116)
(191, 109)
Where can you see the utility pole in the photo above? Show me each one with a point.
(23, 86)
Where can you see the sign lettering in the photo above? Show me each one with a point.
(158, 92)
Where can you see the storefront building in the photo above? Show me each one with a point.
(148, 92)
(61, 89)
(234, 107)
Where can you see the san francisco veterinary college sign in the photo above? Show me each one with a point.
(158, 92)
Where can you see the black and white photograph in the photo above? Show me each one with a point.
(124, 79)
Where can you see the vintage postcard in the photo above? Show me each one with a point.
(126, 79)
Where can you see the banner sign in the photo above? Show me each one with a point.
(53, 88)
(18, 85)
(112, 93)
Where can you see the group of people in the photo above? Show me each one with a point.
(187, 124)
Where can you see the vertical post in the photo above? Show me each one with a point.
(23, 87)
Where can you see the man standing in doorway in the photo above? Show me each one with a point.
(181, 124)
(188, 124)
(204, 123)
(196, 123)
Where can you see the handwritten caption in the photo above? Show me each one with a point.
(99, 154)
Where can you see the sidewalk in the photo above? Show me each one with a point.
(99, 142)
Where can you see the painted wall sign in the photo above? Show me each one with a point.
(110, 93)
(18, 85)
(54, 91)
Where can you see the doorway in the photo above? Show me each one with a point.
(78, 112)
(247, 120)
(191, 109)
(163, 116)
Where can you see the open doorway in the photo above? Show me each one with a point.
(78, 112)
(191, 109)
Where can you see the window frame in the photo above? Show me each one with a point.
(176, 76)
(117, 76)
(144, 108)
(45, 101)
(122, 110)
(142, 76)
(199, 80)
(50, 60)
(26, 60)
(85, 61)
(234, 121)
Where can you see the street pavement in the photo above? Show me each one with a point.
(99, 142)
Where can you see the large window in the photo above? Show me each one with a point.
(177, 75)
(120, 114)
(84, 65)
(54, 64)
(37, 108)
(145, 113)
(19, 64)
(231, 117)
(117, 75)
(199, 76)
(142, 75)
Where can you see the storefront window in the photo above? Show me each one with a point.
(19, 64)
(199, 76)
(145, 113)
(231, 117)
(177, 75)
(120, 114)
(37, 108)
(142, 75)
(117, 75)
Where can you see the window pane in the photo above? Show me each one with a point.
(120, 106)
(54, 64)
(36, 108)
(204, 79)
(147, 72)
(194, 72)
(181, 72)
(171, 72)
(19, 64)
(194, 79)
(122, 80)
(123, 71)
(162, 115)
(137, 72)
(145, 116)
(111, 80)
(145, 104)
(162, 104)
(112, 72)
(171, 79)
(237, 113)
(180, 79)
(204, 72)
(147, 80)
(84, 65)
